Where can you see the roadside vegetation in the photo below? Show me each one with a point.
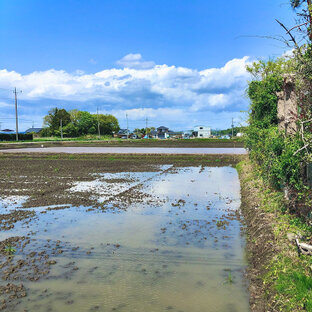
(277, 197)
(280, 279)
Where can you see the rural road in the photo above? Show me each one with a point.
(128, 150)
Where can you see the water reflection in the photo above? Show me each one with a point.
(171, 251)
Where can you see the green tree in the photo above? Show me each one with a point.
(108, 123)
(74, 115)
(71, 130)
(54, 118)
(86, 123)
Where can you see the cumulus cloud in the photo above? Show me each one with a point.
(135, 61)
(140, 88)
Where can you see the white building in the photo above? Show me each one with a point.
(202, 132)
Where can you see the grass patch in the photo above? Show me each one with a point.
(287, 277)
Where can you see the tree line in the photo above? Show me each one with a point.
(75, 123)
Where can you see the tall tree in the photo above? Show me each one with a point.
(108, 123)
(53, 119)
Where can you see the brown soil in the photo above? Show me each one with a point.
(47, 178)
(261, 243)
(130, 143)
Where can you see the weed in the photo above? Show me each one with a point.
(10, 250)
(229, 279)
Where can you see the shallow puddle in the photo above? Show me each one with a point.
(168, 240)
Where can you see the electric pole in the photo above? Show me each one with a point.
(127, 126)
(16, 114)
(232, 128)
(61, 123)
(98, 120)
(146, 126)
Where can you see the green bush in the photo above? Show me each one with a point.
(12, 136)
(275, 155)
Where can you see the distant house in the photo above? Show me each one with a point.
(7, 131)
(153, 134)
(187, 134)
(225, 137)
(162, 132)
(202, 132)
(33, 130)
(175, 134)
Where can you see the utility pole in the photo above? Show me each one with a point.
(146, 126)
(232, 128)
(98, 120)
(16, 114)
(61, 123)
(127, 126)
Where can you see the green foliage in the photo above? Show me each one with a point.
(71, 130)
(276, 154)
(78, 123)
(12, 136)
(108, 124)
(263, 96)
(299, 286)
(228, 131)
(291, 281)
(10, 250)
(54, 119)
(85, 122)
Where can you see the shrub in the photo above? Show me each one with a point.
(12, 136)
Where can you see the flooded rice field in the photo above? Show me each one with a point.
(163, 239)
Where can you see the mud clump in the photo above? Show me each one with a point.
(7, 220)
(9, 293)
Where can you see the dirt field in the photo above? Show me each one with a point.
(130, 143)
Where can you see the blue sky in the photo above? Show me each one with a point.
(177, 62)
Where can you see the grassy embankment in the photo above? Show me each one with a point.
(280, 279)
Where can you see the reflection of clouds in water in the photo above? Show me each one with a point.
(13, 201)
(221, 180)
(151, 270)
(104, 190)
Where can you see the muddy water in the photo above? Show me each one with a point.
(177, 246)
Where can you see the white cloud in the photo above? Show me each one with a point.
(141, 88)
(5, 104)
(135, 61)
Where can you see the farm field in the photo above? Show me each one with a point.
(121, 233)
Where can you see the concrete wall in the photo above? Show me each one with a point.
(287, 107)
